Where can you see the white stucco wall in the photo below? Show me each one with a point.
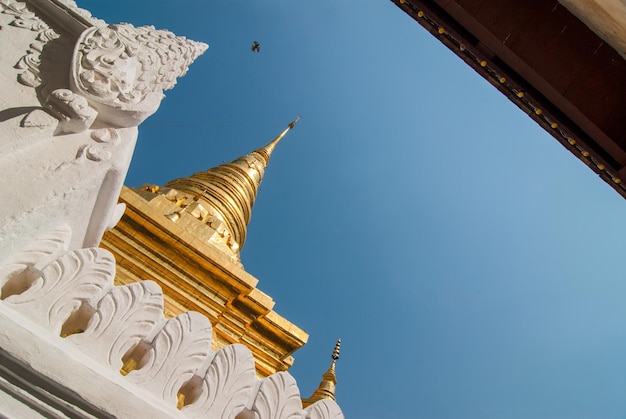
(49, 179)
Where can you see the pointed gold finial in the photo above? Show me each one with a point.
(326, 389)
(294, 122)
(269, 148)
(228, 191)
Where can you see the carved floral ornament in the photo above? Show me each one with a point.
(123, 70)
(71, 293)
(23, 18)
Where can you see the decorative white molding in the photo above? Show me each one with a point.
(227, 384)
(71, 293)
(324, 409)
(123, 317)
(123, 70)
(278, 397)
(142, 62)
(82, 275)
(174, 355)
(44, 250)
(26, 19)
(106, 135)
(72, 110)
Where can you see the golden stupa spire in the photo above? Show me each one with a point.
(228, 191)
(326, 389)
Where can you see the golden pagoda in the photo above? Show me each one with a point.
(326, 389)
(187, 236)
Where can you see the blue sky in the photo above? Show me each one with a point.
(470, 265)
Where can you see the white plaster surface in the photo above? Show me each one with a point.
(12, 407)
(50, 179)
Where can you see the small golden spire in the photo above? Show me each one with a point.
(326, 389)
(229, 190)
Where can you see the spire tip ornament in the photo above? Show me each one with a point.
(335, 354)
(269, 148)
(326, 389)
(294, 122)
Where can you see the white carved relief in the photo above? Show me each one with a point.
(278, 397)
(26, 19)
(228, 383)
(123, 70)
(44, 250)
(46, 35)
(324, 409)
(83, 275)
(72, 110)
(123, 317)
(106, 135)
(150, 62)
(105, 139)
(175, 355)
(71, 292)
(23, 269)
(29, 63)
(97, 153)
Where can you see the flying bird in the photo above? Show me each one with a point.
(256, 47)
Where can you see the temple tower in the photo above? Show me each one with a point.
(187, 236)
